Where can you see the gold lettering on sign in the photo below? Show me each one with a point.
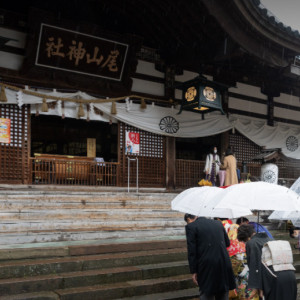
(54, 49)
(76, 52)
(111, 61)
(94, 59)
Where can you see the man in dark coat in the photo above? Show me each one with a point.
(208, 258)
(280, 285)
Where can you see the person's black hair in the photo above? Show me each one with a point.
(221, 219)
(245, 231)
(228, 151)
(189, 216)
(240, 220)
(211, 151)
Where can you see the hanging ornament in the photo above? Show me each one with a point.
(20, 98)
(113, 110)
(80, 111)
(62, 109)
(45, 105)
(37, 112)
(143, 104)
(3, 97)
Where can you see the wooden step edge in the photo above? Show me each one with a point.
(67, 279)
(92, 248)
(184, 294)
(132, 288)
(125, 247)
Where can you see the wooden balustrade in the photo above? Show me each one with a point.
(190, 172)
(73, 172)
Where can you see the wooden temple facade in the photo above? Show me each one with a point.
(167, 43)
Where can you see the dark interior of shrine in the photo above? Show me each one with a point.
(197, 148)
(54, 135)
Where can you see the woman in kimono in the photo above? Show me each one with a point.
(272, 285)
(212, 165)
(230, 165)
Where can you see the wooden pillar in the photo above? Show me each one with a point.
(270, 91)
(224, 143)
(170, 163)
(270, 110)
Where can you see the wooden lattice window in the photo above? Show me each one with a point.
(152, 165)
(244, 148)
(14, 156)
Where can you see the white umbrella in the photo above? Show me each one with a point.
(287, 215)
(260, 196)
(201, 202)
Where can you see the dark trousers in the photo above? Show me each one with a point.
(220, 296)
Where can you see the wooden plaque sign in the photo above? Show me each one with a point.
(72, 51)
(91, 147)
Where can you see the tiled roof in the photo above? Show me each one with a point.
(267, 14)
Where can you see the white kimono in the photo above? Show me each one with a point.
(209, 162)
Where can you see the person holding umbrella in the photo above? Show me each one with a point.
(208, 258)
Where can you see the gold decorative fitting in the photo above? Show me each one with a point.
(143, 104)
(113, 110)
(80, 111)
(209, 94)
(3, 97)
(45, 105)
(190, 93)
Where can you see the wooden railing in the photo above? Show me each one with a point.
(73, 172)
(190, 172)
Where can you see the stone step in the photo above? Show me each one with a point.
(32, 296)
(175, 287)
(90, 195)
(87, 235)
(127, 289)
(42, 215)
(129, 214)
(192, 293)
(37, 267)
(82, 248)
(87, 224)
(81, 279)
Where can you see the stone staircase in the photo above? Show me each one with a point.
(139, 270)
(61, 244)
(42, 215)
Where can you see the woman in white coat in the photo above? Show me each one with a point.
(212, 165)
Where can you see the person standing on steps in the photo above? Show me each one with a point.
(208, 258)
(212, 165)
(230, 165)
